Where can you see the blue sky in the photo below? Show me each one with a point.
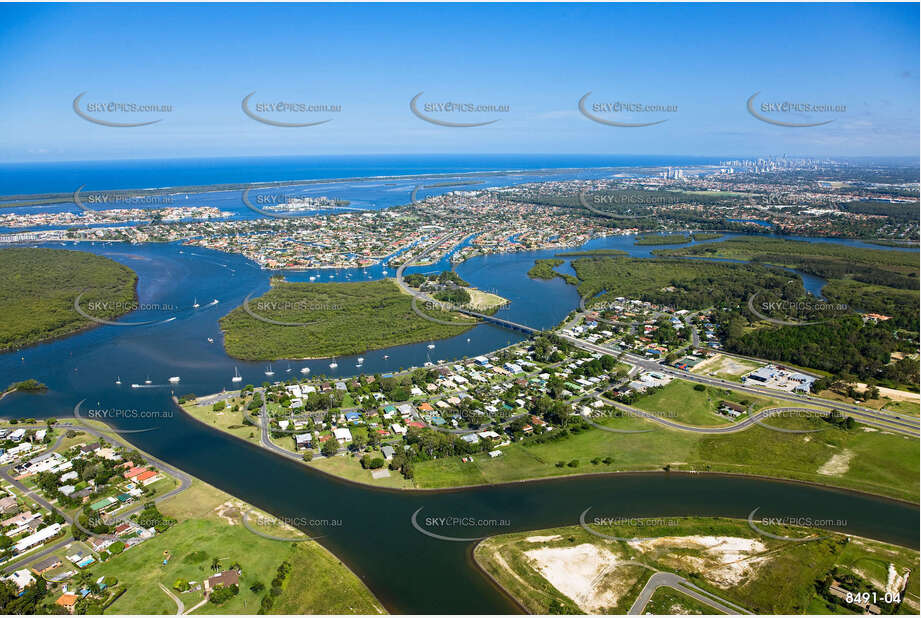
(538, 59)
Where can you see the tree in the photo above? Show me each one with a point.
(308, 455)
(330, 448)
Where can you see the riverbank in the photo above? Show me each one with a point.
(210, 523)
(799, 448)
(41, 289)
(296, 320)
(607, 564)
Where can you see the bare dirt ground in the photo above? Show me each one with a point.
(838, 464)
(580, 573)
(726, 561)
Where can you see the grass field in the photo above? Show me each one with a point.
(876, 462)
(318, 583)
(349, 468)
(670, 602)
(764, 575)
(225, 420)
(680, 402)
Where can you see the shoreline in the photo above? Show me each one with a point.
(507, 593)
(561, 477)
(323, 548)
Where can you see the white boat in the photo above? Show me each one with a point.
(431, 346)
(236, 376)
(147, 381)
(386, 356)
(174, 379)
(305, 370)
(210, 340)
(269, 371)
(288, 370)
(118, 380)
(361, 359)
(468, 339)
(135, 386)
(333, 365)
(312, 278)
(195, 304)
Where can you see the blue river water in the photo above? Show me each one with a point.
(433, 576)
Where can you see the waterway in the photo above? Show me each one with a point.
(410, 572)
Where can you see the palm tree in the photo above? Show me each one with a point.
(216, 564)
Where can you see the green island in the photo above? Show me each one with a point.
(701, 236)
(569, 570)
(25, 386)
(39, 287)
(331, 319)
(543, 269)
(662, 239)
(200, 534)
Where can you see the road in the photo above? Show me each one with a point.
(676, 582)
(867, 416)
(185, 481)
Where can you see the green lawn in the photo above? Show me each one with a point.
(668, 601)
(679, 401)
(318, 584)
(878, 462)
(348, 467)
(225, 420)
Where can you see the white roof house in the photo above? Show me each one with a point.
(342, 434)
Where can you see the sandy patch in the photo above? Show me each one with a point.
(579, 573)
(838, 464)
(869, 429)
(541, 539)
(896, 583)
(229, 512)
(892, 393)
(723, 560)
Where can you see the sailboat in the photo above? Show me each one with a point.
(147, 381)
(288, 370)
(236, 375)
(305, 370)
(431, 346)
(174, 379)
(333, 364)
(195, 304)
(118, 380)
(269, 371)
